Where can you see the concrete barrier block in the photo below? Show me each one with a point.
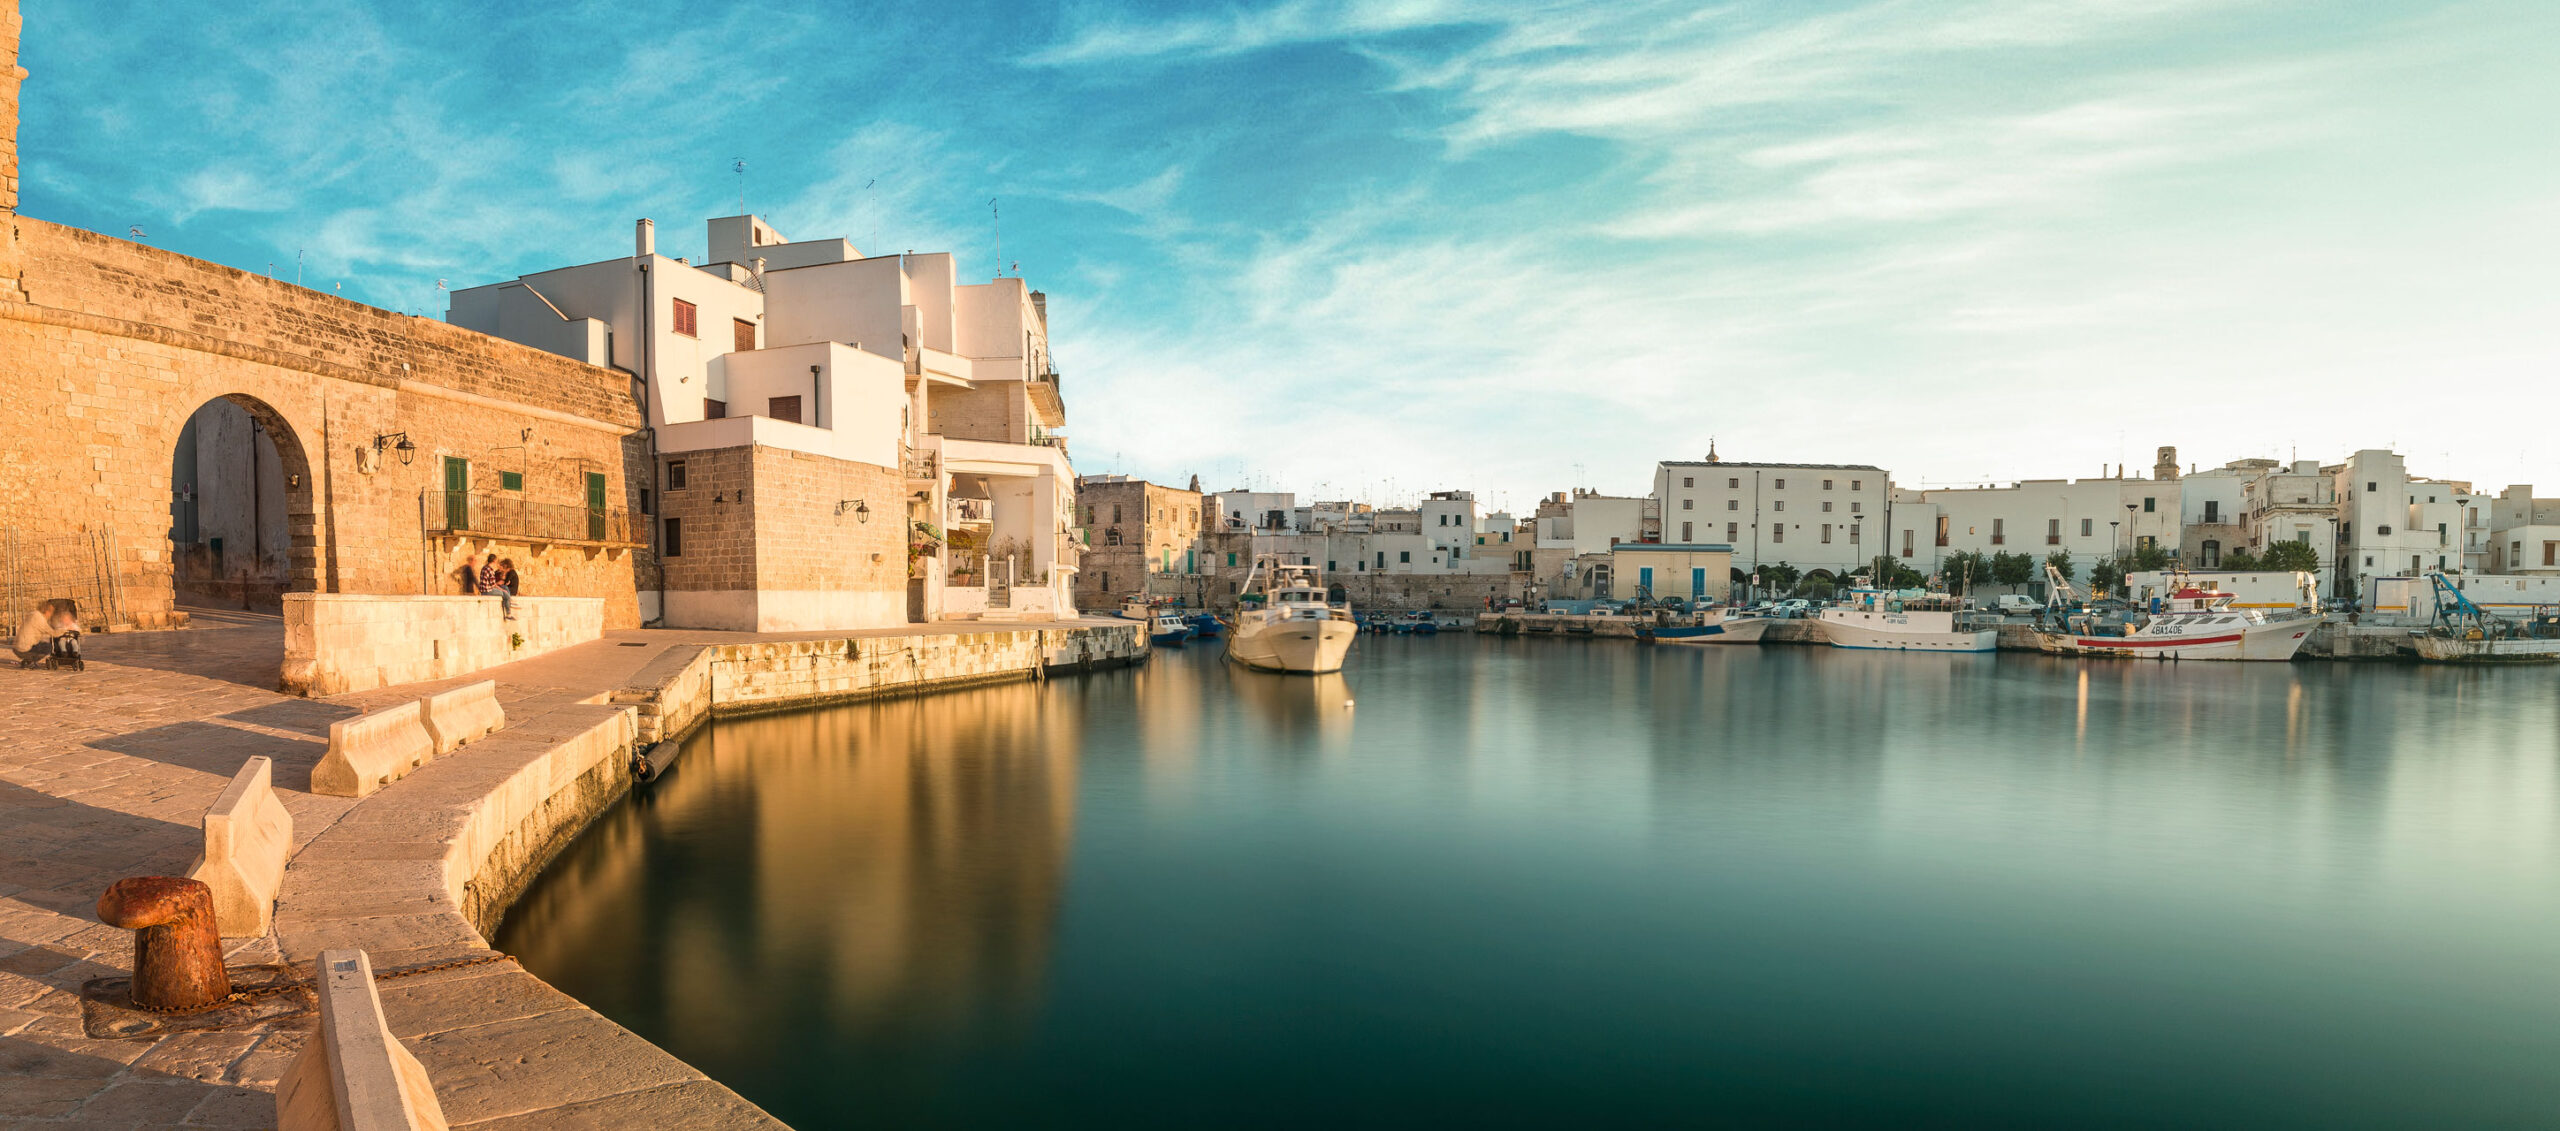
(354, 1075)
(371, 751)
(462, 714)
(247, 836)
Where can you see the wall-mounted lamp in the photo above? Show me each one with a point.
(861, 510)
(398, 442)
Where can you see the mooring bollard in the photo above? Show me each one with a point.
(177, 948)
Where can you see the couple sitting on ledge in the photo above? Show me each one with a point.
(497, 578)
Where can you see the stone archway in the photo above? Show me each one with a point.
(243, 521)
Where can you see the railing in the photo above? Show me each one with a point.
(971, 510)
(507, 514)
(923, 465)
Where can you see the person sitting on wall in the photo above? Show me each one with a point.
(493, 584)
(507, 578)
(51, 636)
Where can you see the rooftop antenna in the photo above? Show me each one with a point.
(999, 219)
(740, 164)
(136, 232)
(297, 267)
(875, 212)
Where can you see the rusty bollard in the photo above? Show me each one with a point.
(177, 950)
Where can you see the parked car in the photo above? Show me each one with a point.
(1794, 608)
(2016, 603)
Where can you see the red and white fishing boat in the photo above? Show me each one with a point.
(2194, 624)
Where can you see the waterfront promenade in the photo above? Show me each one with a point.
(107, 774)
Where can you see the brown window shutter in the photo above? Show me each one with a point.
(746, 333)
(684, 318)
(784, 408)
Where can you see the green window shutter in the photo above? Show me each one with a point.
(511, 480)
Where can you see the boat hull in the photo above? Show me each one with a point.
(1893, 638)
(2448, 650)
(1740, 630)
(2273, 642)
(1295, 645)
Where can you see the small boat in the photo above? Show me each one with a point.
(1287, 625)
(1164, 629)
(1907, 621)
(1206, 626)
(1713, 626)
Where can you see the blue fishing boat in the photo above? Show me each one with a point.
(1207, 626)
(1165, 629)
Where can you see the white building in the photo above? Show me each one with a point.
(2089, 519)
(2392, 523)
(1820, 518)
(928, 403)
(2524, 533)
(1257, 510)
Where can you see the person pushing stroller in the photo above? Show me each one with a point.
(51, 637)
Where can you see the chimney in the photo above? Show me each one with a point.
(644, 239)
(1040, 306)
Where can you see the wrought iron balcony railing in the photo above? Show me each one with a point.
(509, 515)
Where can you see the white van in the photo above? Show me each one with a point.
(2015, 603)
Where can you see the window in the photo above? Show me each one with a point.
(1855, 506)
(1782, 484)
(2442, 536)
(1781, 504)
(2368, 559)
(2053, 532)
(2384, 531)
(1826, 484)
(645, 508)
(1404, 556)
(1382, 559)
(1688, 504)
(1733, 504)
(1688, 480)
(1826, 506)
(2551, 553)
(1942, 530)
(1826, 533)
(1857, 484)
(672, 544)
(684, 319)
(1733, 484)
(714, 410)
(511, 481)
(1685, 535)
(1115, 517)
(1853, 534)
(783, 408)
(2368, 489)
(1088, 512)
(1330, 566)
(2213, 510)
(1906, 541)
(1732, 530)
(1106, 581)
(1231, 558)
(1999, 532)
(2149, 504)
(2212, 552)
(675, 475)
(1777, 532)
(2084, 526)
(744, 332)
(1111, 537)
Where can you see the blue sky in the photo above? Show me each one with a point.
(1387, 247)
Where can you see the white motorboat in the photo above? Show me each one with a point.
(1292, 628)
(1906, 622)
(2193, 624)
(1714, 626)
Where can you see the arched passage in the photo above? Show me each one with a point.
(242, 523)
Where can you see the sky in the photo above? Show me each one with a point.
(1370, 249)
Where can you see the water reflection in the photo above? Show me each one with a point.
(1549, 882)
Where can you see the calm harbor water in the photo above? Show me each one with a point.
(1550, 883)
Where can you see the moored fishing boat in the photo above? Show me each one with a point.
(1165, 628)
(1285, 623)
(2193, 624)
(1906, 622)
(1713, 626)
(2465, 633)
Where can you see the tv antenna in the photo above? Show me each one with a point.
(740, 165)
(999, 221)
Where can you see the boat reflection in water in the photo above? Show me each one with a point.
(1318, 706)
(908, 859)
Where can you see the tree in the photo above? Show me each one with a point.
(1779, 578)
(1818, 588)
(2105, 577)
(2012, 569)
(2291, 556)
(1964, 569)
(2240, 561)
(2149, 556)
(2060, 560)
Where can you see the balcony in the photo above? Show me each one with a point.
(971, 512)
(923, 466)
(507, 516)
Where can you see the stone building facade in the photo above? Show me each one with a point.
(109, 348)
(1139, 537)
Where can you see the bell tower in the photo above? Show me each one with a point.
(2167, 467)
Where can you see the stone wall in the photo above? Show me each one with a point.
(997, 411)
(777, 541)
(118, 344)
(336, 643)
(682, 690)
(1149, 523)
